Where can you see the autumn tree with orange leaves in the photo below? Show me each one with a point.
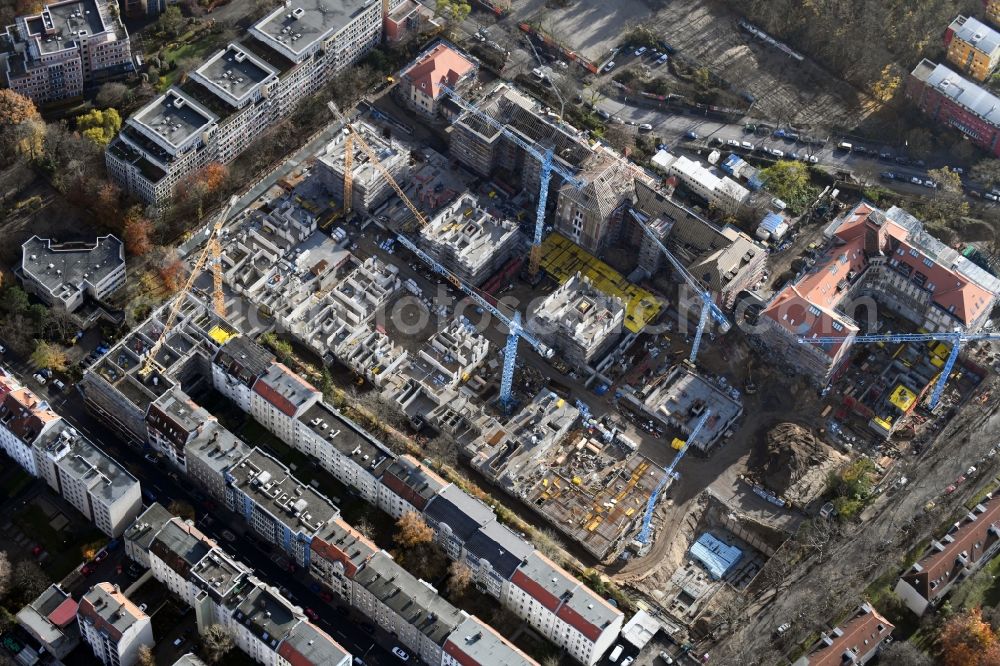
(412, 531)
(172, 273)
(137, 231)
(968, 640)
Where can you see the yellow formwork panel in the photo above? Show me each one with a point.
(902, 397)
(562, 259)
(219, 334)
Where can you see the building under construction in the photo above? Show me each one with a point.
(579, 321)
(589, 484)
(470, 241)
(369, 186)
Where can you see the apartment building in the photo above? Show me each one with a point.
(369, 185)
(24, 417)
(857, 641)
(470, 240)
(237, 366)
(65, 48)
(210, 454)
(342, 448)
(406, 607)
(420, 85)
(140, 534)
(951, 100)
(51, 620)
(279, 508)
(579, 321)
(591, 216)
(475, 643)
(65, 274)
(715, 189)
(726, 260)
(239, 92)
(407, 486)
(973, 47)
(172, 422)
(113, 626)
(885, 255)
(562, 609)
(969, 544)
(279, 398)
(338, 553)
(93, 482)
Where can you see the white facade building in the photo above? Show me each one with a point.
(113, 626)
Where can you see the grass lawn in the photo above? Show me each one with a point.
(983, 589)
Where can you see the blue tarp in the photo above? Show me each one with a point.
(717, 557)
(731, 163)
(771, 222)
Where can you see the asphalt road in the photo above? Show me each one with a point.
(351, 630)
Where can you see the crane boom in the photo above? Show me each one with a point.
(642, 539)
(548, 166)
(955, 338)
(377, 163)
(150, 362)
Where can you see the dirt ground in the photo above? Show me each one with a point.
(792, 461)
(786, 91)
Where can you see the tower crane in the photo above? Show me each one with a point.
(212, 251)
(514, 327)
(546, 159)
(641, 542)
(955, 339)
(708, 306)
(515, 330)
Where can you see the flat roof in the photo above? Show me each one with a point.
(307, 642)
(104, 476)
(174, 117)
(181, 409)
(65, 268)
(183, 542)
(288, 500)
(233, 73)
(347, 437)
(267, 615)
(961, 91)
(297, 26)
(145, 528)
(682, 396)
(284, 389)
(483, 645)
(59, 24)
(217, 448)
(973, 31)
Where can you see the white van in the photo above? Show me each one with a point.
(617, 652)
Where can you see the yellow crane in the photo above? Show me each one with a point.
(373, 158)
(213, 251)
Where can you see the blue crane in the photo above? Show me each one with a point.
(708, 306)
(642, 541)
(514, 328)
(955, 339)
(549, 165)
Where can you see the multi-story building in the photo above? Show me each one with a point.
(280, 508)
(210, 454)
(140, 534)
(406, 607)
(369, 185)
(889, 257)
(65, 48)
(93, 482)
(973, 46)
(280, 397)
(237, 366)
(856, 642)
(950, 100)
(716, 189)
(239, 92)
(420, 85)
(455, 517)
(475, 643)
(578, 320)
(172, 422)
(562, 609)
(968, 545)
(725, 260)
(113, 626)
(471, 241)
(407, 486)
(24, 417)
(338, 553)
(51, 620)
(65, 274)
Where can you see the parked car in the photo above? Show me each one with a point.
(57, 385)
(746, 145)
(991, 196)
(627, 661)
(777, 153)
(691, 134)
(813, 159)
(400, 653)
(931, 184)
(662, 59)
(667, 659)
(645, 127)
(313, 615)
(784, 627)
(3, 350)
(603, 115)
(916, 181)
(887, 175)
(639, 51)
(101, 555)
(151, 458)
(610, 66)
(38, 378)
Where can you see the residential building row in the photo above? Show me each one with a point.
(239, 92)
(889, 257)
(856, 641)
(65, 48)
(272, 630)
(153, 409)
(47, 447)
(951, 100)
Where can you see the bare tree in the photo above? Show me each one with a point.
(5, 574)
(459, 578)
(905, 653)
(145, 656)
(216, 643)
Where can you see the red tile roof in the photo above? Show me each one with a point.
(860, 635)
(974, 535)
(29, 413)
(64, 613)
(535, 591)
(441, 65)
